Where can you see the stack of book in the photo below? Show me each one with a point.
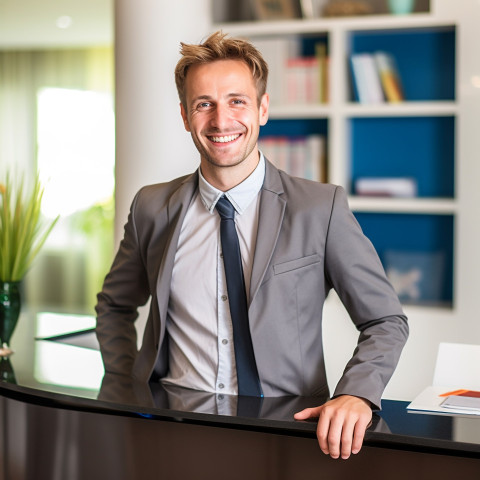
(403, 187)
(436, 400)
(299, 156)
(376, 78)
(293, 78)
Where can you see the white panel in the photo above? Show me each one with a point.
(458, 366)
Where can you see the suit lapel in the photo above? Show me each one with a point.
(270, 217)
(177, 209)
(271, 212)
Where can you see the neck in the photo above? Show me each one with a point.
(228, 177)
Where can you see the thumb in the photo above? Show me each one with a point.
(308, 413)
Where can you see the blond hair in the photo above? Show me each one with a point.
(218, 46)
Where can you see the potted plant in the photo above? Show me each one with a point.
(22, 234)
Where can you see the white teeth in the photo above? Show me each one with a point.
(228, 138)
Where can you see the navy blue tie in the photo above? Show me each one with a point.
(247, 374)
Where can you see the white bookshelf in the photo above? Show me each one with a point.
(434, 206)
(458, 320)
(340, 108)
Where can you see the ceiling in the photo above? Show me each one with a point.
(27, 24)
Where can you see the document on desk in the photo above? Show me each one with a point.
(463, 402)
(439, 400)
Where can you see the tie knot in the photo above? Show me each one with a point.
(225, 208)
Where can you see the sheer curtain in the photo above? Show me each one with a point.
(72, 264)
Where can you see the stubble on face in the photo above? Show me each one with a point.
(233, 160)
(223, 115)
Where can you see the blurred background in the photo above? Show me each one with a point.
(57, 115)
(87, 97)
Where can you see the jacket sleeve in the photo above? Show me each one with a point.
(125, 288)
(354, 270)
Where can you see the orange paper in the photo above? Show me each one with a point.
(455, 392)
(462, 393)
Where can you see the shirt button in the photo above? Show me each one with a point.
(221, 397)
(221, 385)
(224, 341)
(224, 298)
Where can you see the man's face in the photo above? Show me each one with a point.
(222, 113)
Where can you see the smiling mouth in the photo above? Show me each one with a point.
(224, 139)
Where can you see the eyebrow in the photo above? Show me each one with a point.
(238, 95)
(202, 97)
(229, 95)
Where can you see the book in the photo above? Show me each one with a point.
(389, 77)
(276, 51)
(294, 78)
(462, 393)
(302, 80)
(366, 80)
(275, 9)
(296, 157)
(302, 156)
(461, 402)
(281, 153)
(323, 65)
(431, 400)
(307, 8)
(376, 78)
(315, 164)
(402, 187)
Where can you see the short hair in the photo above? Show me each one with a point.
(218, 46)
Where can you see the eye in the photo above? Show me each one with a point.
(204, 105)
(238, 101)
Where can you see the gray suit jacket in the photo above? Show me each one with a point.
(308, 242)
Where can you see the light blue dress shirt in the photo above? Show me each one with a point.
(199, 324)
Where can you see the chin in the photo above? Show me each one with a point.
(224, 163)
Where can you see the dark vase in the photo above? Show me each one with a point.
(6, 371)
(9, 312)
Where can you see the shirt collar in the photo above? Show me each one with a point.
(240, 196)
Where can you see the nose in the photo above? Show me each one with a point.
(220, 117)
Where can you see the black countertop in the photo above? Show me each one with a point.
(57, 364)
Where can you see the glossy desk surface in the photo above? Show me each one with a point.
(66, 372)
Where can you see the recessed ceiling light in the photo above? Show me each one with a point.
(64, 22)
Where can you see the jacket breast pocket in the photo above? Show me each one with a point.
(296, 264)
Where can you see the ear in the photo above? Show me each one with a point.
(184, 117)
(263, 110)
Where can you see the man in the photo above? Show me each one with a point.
(297, 240)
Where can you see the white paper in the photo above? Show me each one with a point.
(429, 401)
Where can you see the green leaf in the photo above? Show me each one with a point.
(22, 230)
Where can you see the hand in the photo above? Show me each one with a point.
(342, 423)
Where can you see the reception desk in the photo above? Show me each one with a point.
(61, 418)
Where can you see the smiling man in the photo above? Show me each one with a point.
(238, 259)
(223, 114)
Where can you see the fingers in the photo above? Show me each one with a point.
(341, 426)
(327, 432)
(359, 434)
(308, 413)
(342, 423)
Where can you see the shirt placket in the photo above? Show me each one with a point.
(226, 374)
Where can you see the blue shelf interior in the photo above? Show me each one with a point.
(418, 147)
(420, 241)
(295, 127)
(309, 43)
(425, 60)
